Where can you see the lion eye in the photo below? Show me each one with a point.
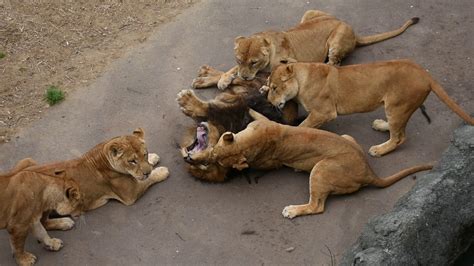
(133, 162)
(238, 61)
(254, 63)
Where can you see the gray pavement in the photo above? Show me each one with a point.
(184, 221)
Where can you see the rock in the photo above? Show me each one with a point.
(433, 224)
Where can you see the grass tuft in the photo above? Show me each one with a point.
(2, 55)
(54, 95)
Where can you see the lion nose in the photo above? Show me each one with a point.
(188, 159)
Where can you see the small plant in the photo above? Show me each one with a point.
(53, 95)
(2, 55)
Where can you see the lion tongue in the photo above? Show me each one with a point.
(201, 139)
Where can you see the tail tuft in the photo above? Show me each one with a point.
(415, 20)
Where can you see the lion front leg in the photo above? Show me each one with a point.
(17, 242)
(227, 78)
(130, 196)
(49, 243)
(207, 77)
(315, 119)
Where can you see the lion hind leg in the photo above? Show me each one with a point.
(312, 14)
(341, 42)
(319, 190)
(397, 117)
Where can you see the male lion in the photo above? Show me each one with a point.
(317, 37)
(120, 169)
(228, 111)
(325, 91)
(336, 163)
(25, 195)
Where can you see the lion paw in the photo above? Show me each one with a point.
(190, 105)
(289, 212)
(25, 259)
(159, 174)
(380, 125)
(224, 81)
(376, 151)
(205, 71)
(66, 223)
(53, 244)
(153, 159)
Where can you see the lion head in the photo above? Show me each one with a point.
(282, 86)
(198, 143)
(129, 155)
(252, 55)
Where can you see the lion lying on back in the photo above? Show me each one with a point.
(228, 111)
(25, 196)
(317, 37)
(325, 91)
(336, 163)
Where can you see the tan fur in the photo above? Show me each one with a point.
(317, 37)
(119, 169)
(25, 195)
(336, 164)
(325, 91)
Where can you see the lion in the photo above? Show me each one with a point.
(228, 111)
(336, 164)
(25, 195)
(120, 168)
(318, 37)
(326, 91)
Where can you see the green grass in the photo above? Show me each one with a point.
(2, 55)
(53, 95)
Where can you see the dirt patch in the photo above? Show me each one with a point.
(66, 44)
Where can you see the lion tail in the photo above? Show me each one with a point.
(387, 181)
(444, 97)
(366, 40)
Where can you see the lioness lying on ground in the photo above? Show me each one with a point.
(325, 91)
(120, 169)
(336, 163)
(228, 111)
(317, 37)
(25, 195)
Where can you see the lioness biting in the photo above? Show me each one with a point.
(25, 196)
(336, 164)
(325, 91)
(120, 168)
(228, 111)
(317, 37)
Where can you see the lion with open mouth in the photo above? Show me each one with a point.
(228, 111)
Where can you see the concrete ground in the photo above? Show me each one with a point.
(184, 221)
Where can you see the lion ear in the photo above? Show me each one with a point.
(139, 133)
(115, 150)
(72, 193)
(266, 42)
(237, 42)
(228, 137)
(289, 69)
(265, 50)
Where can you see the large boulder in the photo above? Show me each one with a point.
(433, 224)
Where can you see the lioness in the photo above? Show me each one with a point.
(336, 163)
(317, 37)
(25, 195)
(120, 169)
(325, 91)
(228, 111)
